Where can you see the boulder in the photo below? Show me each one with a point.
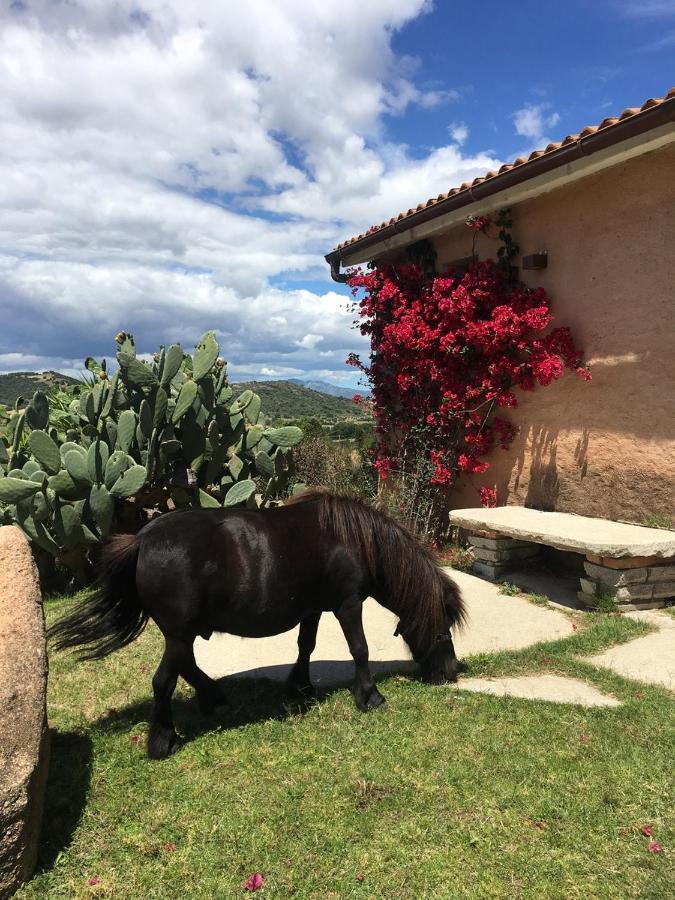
(24, 738)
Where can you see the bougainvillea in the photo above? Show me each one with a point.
(448, 352)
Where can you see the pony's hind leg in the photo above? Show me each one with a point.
(162, 737)
(298, 680)
(178, 659)
(366, 694)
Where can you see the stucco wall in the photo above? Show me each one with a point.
(606, 448)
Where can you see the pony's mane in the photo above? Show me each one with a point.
(396, 559)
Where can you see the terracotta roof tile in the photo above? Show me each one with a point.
(608, 122)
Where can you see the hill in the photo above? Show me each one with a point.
(290, 400)
(327, 387)
(280, 399)
(24, 384)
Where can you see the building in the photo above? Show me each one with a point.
(594, 215)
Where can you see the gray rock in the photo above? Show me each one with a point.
(662, 573)
(616, 577)
(24, 741)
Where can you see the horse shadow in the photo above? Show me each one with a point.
(254, 696)
(68, 779)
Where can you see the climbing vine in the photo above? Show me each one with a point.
(449, 351)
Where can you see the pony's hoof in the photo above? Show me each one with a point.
(300, 691)
(162, 743)
(372, 701)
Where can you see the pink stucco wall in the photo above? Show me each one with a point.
(606, 448)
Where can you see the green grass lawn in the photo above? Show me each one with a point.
(443, 794)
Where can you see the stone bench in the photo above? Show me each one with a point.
(632, 564)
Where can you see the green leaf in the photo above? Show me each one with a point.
(186, 398)
(264, 464)
(145, 418)
(117, 463)
(102, 507)
(97, 457)
(235, 465)
(161, 403)
(205, 355)
(126, 429)
(14, 490)
(206, 501)
(77, 466)
(136, 371)
(252, 437)
(242, 401)
(45, 451)
(130, 482)
(252, 411)
(239, 492)
(172, 363)
(288, 436)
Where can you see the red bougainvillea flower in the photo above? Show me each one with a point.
(360, 876)
(647, 830)
(170, 847)
(654, 847)
(583, 738)
(488, 497)
(446, 352)
(254, 882)
(94, 881)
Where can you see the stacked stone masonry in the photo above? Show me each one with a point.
(631, 583)
(496, 555)
(641, 582)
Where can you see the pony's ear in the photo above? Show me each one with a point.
(397, 632)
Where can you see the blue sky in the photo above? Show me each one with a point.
(169, 167)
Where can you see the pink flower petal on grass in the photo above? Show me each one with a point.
(94, 881)
(253, 882)
(647, 830)
(583, 738)
(654, 847)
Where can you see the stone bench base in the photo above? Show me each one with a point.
(630, 583)
(494, 555)
(633, 583)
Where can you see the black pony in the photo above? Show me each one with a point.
(256, 573)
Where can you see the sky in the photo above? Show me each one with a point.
(168, 167)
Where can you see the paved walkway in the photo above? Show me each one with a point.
(650, 658)
(496, 622)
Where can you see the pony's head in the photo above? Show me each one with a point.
(434, 650)
(431, 646)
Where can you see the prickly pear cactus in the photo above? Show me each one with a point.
(153, 436)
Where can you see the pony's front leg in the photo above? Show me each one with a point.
(366, 694)
(298, 679)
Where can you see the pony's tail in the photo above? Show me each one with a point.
(112, 616)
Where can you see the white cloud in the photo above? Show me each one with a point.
(459, 132)
(165, 164)
(532, 121)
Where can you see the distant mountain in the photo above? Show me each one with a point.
(24, 384)
(293, 399)
(327, 387)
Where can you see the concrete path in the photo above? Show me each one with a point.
(555, 688)
(650, 658)
(496, 622)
